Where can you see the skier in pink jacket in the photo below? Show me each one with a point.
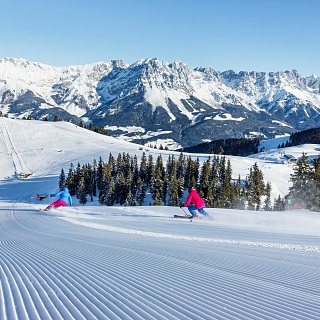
(197, 203)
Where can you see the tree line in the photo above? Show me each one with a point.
(311, 136)
(233, 146)
(125, 180)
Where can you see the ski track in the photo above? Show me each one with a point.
(24, 142)
(17, 161)
(36, 159)
(102, 272)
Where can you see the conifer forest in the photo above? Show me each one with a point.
(130, 181)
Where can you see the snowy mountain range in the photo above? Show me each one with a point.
(152, 100)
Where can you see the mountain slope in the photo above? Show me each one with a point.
(163, 100)
(72, 89)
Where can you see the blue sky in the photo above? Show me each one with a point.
(260, 35)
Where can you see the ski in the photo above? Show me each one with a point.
(184, 217)
(39, 197)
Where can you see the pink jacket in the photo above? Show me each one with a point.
(195, 199)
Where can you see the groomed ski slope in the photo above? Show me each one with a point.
(109, 263)
(93, 262)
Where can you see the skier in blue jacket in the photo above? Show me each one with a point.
(63, 201)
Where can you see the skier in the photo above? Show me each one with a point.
(197, 203)
(64, 199)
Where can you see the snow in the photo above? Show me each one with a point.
(98, 262)
(274, 143)
(157, 97)
(139, 133)
(227, 116)
(281, 123)
(129, 129)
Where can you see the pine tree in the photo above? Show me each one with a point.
(80, 193)
(157, 198)
(267, 201)
(226, 187)
(180, 182)
(104, 178)
(279, 204)
(243, 199)
(70, 181)
(316, 204)
(87, 173)
(210, 199)
(143, 172)
(135, 174)
(77, 175)
(141, 192)
(237, 195)
(302, 189)
(91, 127)
(93, 182)
(188, 172)
(150, 168)
(156, 183)
(205, 178)
(165, 187)
(193, 183)
(173, 189)
(214, 181)
(119, 164)
(160, 167)
(126, 164)
(130, 200)
(120, 189)
(250, 194)
(62, 179)
(112, 165)
(100, 173)
(255, 187)
(259, 184)
(128, 187)
(110, 195)
(196, 170)
(181, 167)
(170, 166)
(222, 170)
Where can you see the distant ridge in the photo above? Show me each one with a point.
(156, 101)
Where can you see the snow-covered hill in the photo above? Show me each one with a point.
(98, 262)
(162, 100)
(45, 147)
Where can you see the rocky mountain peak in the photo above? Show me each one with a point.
(169, 99)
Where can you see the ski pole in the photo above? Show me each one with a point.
(184, 212)
(186, 215)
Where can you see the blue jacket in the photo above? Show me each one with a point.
(64, 195)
